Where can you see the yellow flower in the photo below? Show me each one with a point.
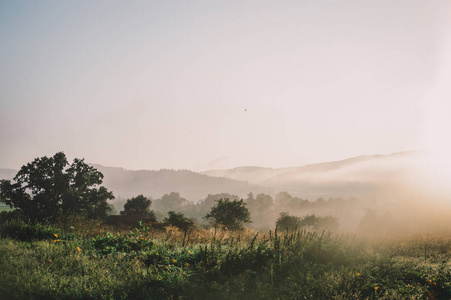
(78, 249)
(357, 274)
(167, 268)
(56, 236)
(189, 252)
(174, 261)
(376, 288)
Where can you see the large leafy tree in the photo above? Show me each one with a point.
(48, 187)
(139, 205)
(231, 214)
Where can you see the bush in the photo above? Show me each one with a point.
(19, 230)
(178, 220)
(15, 214)
(139, 205)
(287, 222)
(319, 223)
(128, 243)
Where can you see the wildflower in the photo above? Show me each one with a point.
(174, 261)
(78, 249)
(167, 268)
(143, 239)
(357, 274)
(55, 235)
(189, 252)
(376, 288)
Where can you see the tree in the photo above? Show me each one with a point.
(319, 223)
(49, 187)
(261, 204)
(287, 222)
(204, 206)
(172, 201)
(139, 205)
(178, 220)
(262, 209)
(311, 222)
(283, 199)
(231, 214)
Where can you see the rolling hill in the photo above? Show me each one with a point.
(362, 176)
(367, 177)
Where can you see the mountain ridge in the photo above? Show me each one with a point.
(359, 176)
(310, 168)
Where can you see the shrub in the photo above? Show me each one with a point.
(178, 220)
(287, 222)
(128, 243)
(319, 223)
(15, 214)
(19, 230)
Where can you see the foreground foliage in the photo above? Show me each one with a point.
(80, 262)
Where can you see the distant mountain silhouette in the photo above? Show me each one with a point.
(361, 176)
(191, 185)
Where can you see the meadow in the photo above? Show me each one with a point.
(81, 259)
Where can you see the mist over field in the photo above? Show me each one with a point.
(225, 149)
(377, 194)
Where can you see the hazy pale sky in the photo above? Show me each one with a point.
(218, 84)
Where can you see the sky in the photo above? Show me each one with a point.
(205, 85)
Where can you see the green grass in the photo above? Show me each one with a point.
(4, 207)
(76, 263)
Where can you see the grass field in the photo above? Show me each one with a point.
(79, 260)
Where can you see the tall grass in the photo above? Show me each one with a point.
(101, 263)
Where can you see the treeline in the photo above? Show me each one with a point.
(264, 209)
(49, 188)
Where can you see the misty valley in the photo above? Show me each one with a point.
(225, 150)
(258, 234)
